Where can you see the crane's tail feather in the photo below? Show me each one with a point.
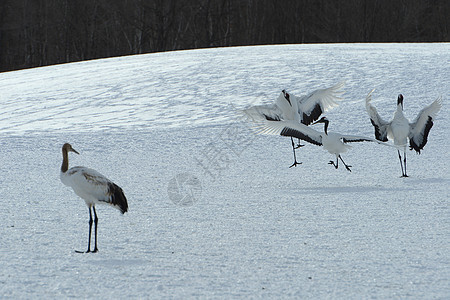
(118, 198)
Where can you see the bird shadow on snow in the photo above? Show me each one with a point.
(428, 180)
(349, 189)
(114, 262)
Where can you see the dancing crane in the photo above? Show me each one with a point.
(93, 187)
(334, 143)
(400, 129)
(305, 109)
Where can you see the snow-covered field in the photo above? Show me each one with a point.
(214, 210)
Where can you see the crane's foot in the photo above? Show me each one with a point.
(404, 175)
(295, 164)
(299, 146)
(78, 251)
(88, 251)
(332, 163)
(348, 168)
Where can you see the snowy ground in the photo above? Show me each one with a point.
(249, 226)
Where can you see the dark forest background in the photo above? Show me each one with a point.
(42, 32)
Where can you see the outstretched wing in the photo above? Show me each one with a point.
(310, 107)
(420, 128)
(380, 125)
(282, 109)
(264, 112)
(292, 129)
(355, 139)
(288, 106)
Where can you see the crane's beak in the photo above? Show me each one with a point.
(73, 150)
(287, 96)
(400, 100)
(318, 121)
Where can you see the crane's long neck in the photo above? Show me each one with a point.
(325, 127)
(65, 162)
(399, 112)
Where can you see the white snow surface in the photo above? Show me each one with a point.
(256, 229)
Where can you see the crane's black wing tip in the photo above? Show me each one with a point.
(379, 135)
(118, 197)
(292, 132)
(413, 145)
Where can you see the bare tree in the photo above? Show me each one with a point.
(41, 32)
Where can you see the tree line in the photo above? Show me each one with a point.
(43, 32)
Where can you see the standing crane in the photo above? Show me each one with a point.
(401, 130)
(93, 187)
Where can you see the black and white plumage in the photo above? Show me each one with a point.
(400, 130)
(93, 188)
(305, 109)
(334, 143)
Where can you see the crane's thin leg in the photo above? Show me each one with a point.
(334, 164)
(295, 157)
(90, 231)
(95, 221)
(404, 157)
(346, 166)
(401, 164)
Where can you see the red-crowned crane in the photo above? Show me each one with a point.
(334, 143)
(401, 130)
(93, 187)
(304, 109)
